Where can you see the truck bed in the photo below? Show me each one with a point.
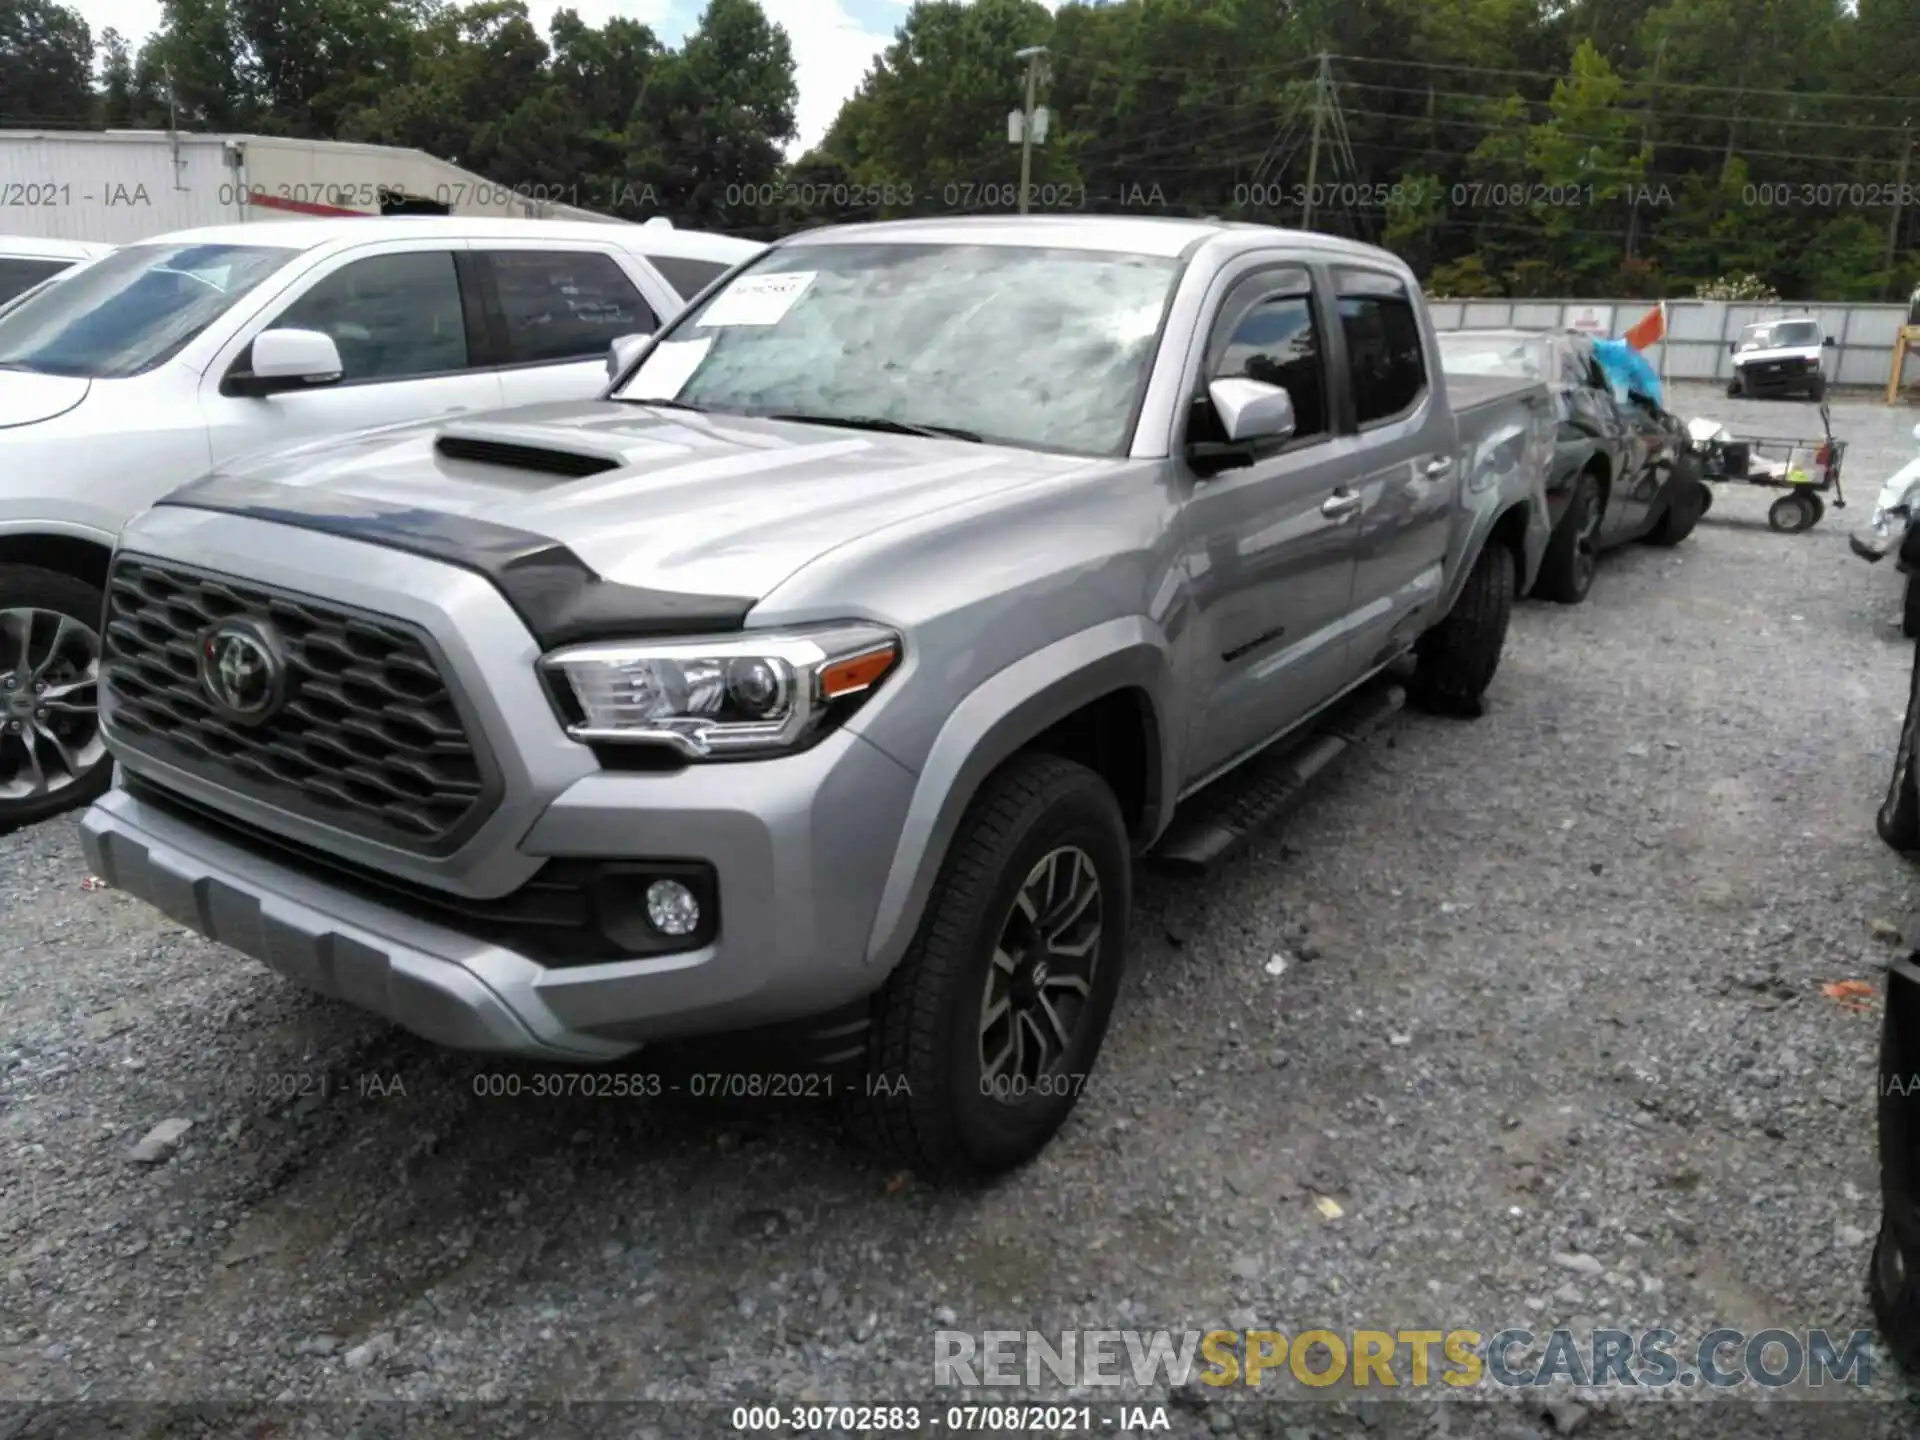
(1467, 393)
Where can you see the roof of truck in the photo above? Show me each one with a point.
(1168, 236)
(308, 234)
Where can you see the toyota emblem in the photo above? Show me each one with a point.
(241, 670)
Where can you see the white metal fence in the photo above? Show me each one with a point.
(1700, 333)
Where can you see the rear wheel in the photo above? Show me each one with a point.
(984, 1034)
(1573, 554)
(1458, 657)
(51, 754)
(1791, 514)
(1817, 389)
(1910, 609)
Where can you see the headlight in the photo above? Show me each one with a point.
(733, 695)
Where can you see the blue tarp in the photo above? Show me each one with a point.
(1626, 366)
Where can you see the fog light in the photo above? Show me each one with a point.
(672, 908)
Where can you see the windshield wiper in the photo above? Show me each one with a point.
(663, 404)
(881, 424)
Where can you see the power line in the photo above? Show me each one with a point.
(1491, 126)
(1664, 84)
(1637, 111)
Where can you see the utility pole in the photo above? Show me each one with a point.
(1322, 84)
(1032, 55)
(1899, 199)
(1646, 151)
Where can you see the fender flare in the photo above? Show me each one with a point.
(992, 723)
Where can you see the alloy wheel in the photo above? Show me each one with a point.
(1039, 985)
(1586, 545)
(49, 703)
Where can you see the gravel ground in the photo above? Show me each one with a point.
(1553, 990)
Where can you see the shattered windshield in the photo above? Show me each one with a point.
(1044, 348)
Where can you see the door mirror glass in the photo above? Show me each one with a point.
(1252, 410)
(1828, 342)
(290, 360)
(623, 352)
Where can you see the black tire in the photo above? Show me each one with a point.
(1458, 657)
(1573, 552)
(1893, 1274)
(1687, 501)
(1909, 608)
(1734, 387)
(1817, 389)
(927, 1099)
(1898, 819)
(1791, 514)
(45, 594)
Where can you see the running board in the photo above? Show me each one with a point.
(1215, 822)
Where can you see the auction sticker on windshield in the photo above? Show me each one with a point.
(758, 299)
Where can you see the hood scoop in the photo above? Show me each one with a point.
(480, 448)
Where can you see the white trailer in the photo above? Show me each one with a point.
(118, 186)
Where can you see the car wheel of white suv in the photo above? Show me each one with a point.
(51, 754)
(984, 1035)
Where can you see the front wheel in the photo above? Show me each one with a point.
(51, 755)
(1734, 387)
(1910, 609)
(1817, 389)
(1687, 501)
(1457, 658)
(984, 1035)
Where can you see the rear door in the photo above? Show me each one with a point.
(409, 350)
(1271, 568)
(1410, 480)
(555, 310)
(1591, 407)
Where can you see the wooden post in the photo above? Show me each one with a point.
(1907, 340)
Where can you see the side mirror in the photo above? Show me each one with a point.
(623, 352)
(1733, 347)
(287, 360)
(1828, 342)
(1252, 410)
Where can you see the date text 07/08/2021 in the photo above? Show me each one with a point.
(737, 1085)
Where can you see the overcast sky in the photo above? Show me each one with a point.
(834, 41)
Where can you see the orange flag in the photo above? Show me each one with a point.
(1649, 329)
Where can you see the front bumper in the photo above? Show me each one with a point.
(1763, 380)
(800, 846)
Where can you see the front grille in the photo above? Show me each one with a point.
(368, 739)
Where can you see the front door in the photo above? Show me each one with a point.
(1270, 547)
(406, 353)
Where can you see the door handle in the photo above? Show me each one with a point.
(1340, 504)
(1441, 468)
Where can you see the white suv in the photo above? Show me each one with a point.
(173, 356)
(27, 261)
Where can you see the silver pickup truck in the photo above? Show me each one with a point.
(831, 668)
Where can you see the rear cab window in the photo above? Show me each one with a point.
(688, 277)
(564, 305)
(1386, 358)
(19, 274)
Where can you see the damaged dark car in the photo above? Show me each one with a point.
(1623, 467)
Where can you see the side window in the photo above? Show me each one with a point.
(687, 277)
(392, 316)
(1385, 359)
(17, 276)
(565, 305)
(1278, 341)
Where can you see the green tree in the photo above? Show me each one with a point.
(46, 64)
(1586, 161)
